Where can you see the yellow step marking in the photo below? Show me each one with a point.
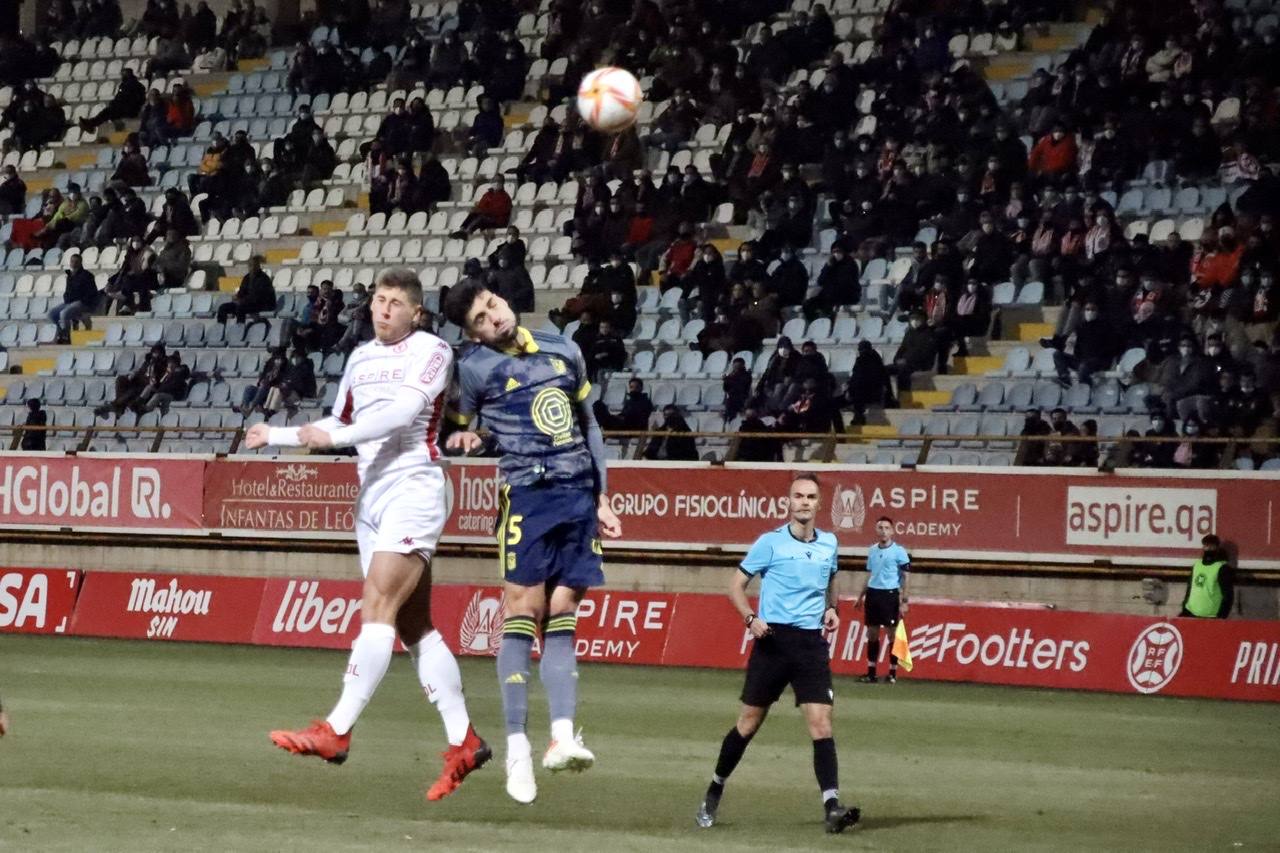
(275, 257)
(923, 399)
(1031, 332)
(83, 337)
(976, 364)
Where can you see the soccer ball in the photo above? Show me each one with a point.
(609, 98)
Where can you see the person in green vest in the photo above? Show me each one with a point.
(1211, 587)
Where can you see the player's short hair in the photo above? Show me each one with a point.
(1211, 541)
(885, 518)
(805, 475)
(402, 279)
(460, 299)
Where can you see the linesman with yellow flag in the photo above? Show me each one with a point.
(884, 597)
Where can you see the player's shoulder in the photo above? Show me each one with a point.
(421, 341)
(553, 342)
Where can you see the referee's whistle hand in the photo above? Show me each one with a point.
(760, 628)
(831, 621)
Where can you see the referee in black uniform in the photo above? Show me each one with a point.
(797, 567)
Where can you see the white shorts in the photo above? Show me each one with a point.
(404, 515)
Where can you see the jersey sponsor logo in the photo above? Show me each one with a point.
(434, 365)
(552, 414)
(480, 632)
(1154, 657)
(848, 509)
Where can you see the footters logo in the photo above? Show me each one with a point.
(1154, 657)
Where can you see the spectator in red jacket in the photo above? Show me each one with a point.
(493, 210)
(1054, 156)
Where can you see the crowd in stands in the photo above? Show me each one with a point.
(903, 147)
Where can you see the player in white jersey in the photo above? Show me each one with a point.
(389, 405)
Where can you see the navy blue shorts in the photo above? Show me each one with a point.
(549, 533)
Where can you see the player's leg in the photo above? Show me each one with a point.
(392, 579)
(525, 607)
(441, 681)
(559, 674)
(321, 737)
(577, 565)
(524, 557)
(873, 621)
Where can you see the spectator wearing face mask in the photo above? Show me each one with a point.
(1034, 426)
(1093, 349)
(512, 283)
(1185, 382)
(34, 437)
(13, 192)
(706, 277)
(1053, 157)
(1190, 453)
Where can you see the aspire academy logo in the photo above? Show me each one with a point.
(848, 509)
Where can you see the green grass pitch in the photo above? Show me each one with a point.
(141, 746)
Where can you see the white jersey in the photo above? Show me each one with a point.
(375, 374)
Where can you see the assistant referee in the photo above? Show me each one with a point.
(797, 568)
(885, 596)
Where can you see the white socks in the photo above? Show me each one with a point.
(518, 746)
(442, 682)
(562, 731)
(370, 657)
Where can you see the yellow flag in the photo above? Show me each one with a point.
(902, 646)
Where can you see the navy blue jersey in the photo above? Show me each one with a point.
(528, 397)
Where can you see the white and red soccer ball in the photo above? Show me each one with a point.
(609, 99)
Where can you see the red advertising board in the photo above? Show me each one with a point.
(1033, 647)
(936, 512)
(37, 601)
(101, 492)
(1030, 647)
(311, 613)
(303, 498)
(198, 608)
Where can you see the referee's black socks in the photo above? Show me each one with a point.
(873, 653)
(731, 750)
(827, 769)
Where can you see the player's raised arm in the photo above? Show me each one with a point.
(610, 526)
(261, 435)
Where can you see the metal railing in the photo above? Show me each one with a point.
(1113, 451)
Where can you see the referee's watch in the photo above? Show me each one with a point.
(749, 618)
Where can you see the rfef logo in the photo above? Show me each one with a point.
(1154, 657)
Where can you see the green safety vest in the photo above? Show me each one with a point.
(1205, 598)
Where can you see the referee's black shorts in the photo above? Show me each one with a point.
(795, 656)
(881, 607)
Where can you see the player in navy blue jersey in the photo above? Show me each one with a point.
(530, 390)
(796, 564)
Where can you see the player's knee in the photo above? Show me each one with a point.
(749, 720)
(820, 728)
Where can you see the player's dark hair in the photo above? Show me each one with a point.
(1211, 541)
(884, 518)
(402, 279)
(460, 299)
(806, 475)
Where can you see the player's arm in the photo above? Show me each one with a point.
(261, 435)
(426, 376)
(465, 438)
(756, 561)
(610, 526)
